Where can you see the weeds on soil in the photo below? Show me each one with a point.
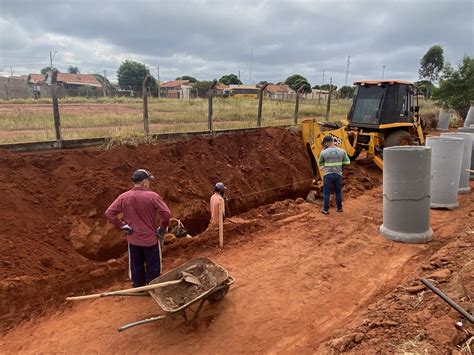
(129, 140)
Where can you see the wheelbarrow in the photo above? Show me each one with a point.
(187, 299)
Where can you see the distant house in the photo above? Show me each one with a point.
(69, 84)
(317, 94)
(176, 89)
(278, 91)
(219, 88)
(76, 81)
(37, 83)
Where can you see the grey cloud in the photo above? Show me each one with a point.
(211, 38)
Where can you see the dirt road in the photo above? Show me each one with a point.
(300, 277)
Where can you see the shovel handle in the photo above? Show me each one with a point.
(119, 292)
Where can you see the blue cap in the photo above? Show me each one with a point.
(141, 174)
(219, 187)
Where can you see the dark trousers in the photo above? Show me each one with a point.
(145, 264)
(335, 181)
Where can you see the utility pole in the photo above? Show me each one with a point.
(251, 59)
(51, 57)
(383, 71)
(322, 82)
(158, 83)
(347, 69)
(239, 74)
(11, 70)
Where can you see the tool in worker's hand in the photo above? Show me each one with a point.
(127, 229)
(185, 276)
(177, 228)
(160, 233)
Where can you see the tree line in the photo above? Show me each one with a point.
(449, 86)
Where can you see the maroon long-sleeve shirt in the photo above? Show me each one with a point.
(139, 207)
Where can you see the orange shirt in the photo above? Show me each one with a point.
(216, 201)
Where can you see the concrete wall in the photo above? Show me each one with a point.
(15, 88)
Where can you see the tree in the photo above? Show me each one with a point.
(103, 81)
(230, 79)
(328, 87)
(456, 87)
(187, 77)
(202, 87)
(346, 91)
(73, 70)
(47, 69)
(296, 81)
(131, 75)
(316, 87)
(424, 87)
(431, 65)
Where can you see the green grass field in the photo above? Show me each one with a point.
(26, 121)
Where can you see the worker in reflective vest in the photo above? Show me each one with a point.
(331, 160)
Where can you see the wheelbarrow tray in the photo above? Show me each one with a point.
(177, 297)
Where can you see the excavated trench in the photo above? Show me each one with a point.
(55, 239)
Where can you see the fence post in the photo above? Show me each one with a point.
(209, 110)
(145, 105)
(210, 94)
(297, 104)
(260, 104)
(56, 116)
(328, 106)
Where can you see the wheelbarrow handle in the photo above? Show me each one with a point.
(140, 322)
(123, 292)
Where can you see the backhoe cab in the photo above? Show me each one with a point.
(383, 114)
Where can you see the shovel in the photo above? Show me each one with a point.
(185, 276)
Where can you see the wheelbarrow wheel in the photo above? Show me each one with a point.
(218, 294)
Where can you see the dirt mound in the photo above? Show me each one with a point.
(56, 240)
(412, 317)
(359, 178)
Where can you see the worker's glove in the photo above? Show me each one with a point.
(127, 229)
(160, 233)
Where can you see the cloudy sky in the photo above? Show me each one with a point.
(207, 39)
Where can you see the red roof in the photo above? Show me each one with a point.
(78, 79)
(34, 78)
(174, 84)
(273, 89)
(221, 86)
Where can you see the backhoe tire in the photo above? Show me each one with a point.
(398, 138)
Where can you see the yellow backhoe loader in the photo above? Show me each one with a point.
(383, 114)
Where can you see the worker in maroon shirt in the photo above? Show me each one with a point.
(138, 207)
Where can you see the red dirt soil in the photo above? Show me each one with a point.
(305, 281)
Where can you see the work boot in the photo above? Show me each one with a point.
(339, 210)
(323, 211)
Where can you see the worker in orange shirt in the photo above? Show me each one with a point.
(217, 202)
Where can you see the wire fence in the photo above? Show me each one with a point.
(90, 114)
